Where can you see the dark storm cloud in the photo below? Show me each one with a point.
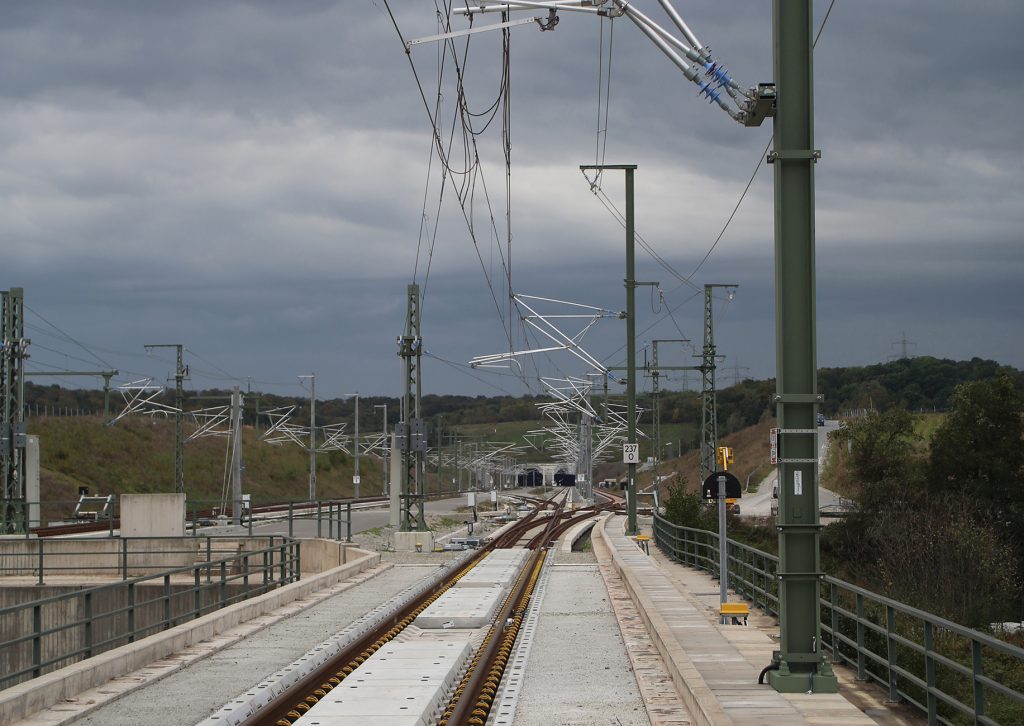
(248, 178)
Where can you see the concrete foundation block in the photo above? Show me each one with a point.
(413, 541)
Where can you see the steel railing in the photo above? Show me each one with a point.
(52, 632)
(118, 557)
(951, 673)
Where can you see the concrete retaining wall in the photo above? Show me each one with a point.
(103, 556)
(109, 623)
(24, 699)
(94, 556)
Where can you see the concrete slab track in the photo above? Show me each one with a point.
(190, 694)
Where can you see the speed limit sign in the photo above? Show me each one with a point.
(631, 453)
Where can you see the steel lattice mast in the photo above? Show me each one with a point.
(13, 507)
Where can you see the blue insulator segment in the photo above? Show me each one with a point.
(706, 89)
(718, 74)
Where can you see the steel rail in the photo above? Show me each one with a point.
(298, 699)
(472, 700)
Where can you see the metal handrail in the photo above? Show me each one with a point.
(910, 665)
(236, 579)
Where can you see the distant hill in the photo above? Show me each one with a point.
(137, 456)
(137, 453)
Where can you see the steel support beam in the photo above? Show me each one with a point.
(708, 398)
(708, 415)
(13, 509)
(800, 664)
(412, 429)
(631, 525)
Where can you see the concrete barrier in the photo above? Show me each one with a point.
(575, 533)
(693, 689)
(152, 515)
(24, 699)
(320, 555)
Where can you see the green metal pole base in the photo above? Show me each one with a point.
(804, 678)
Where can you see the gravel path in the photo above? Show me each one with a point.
(578, 673)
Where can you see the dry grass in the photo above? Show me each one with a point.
(137, 456)
(751, 459)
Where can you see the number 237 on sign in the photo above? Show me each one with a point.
(631, 453)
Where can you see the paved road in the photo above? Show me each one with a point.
(760, 504)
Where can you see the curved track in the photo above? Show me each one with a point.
(472, 698)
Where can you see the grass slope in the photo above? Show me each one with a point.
(137, 456)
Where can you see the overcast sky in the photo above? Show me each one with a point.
(248, 179)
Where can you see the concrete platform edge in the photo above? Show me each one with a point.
(694, 690)
(20, 701)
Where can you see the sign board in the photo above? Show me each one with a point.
(773, 445)
(494, 496)
(631, 453)
(733, 488)
(355, 479)
(471, 499)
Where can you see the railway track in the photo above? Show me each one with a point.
(478, 652)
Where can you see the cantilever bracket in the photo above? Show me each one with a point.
(798, 398)
(795, 155)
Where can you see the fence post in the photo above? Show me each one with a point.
(929, 672)
(833, 597)
(245, 575)
(131, 612)
(285, 558)
(39, 540)
(124, 558)
(37, 644)
(197, 595)
(88, 624)
(861, 658)
(978, 669)
(208, 560)
(348, 526)
(291, 521)
(223, 582)
(319, 523)
(249, 512)
(110, 521)
(890, 631)
(266, 568)
(167, 602)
